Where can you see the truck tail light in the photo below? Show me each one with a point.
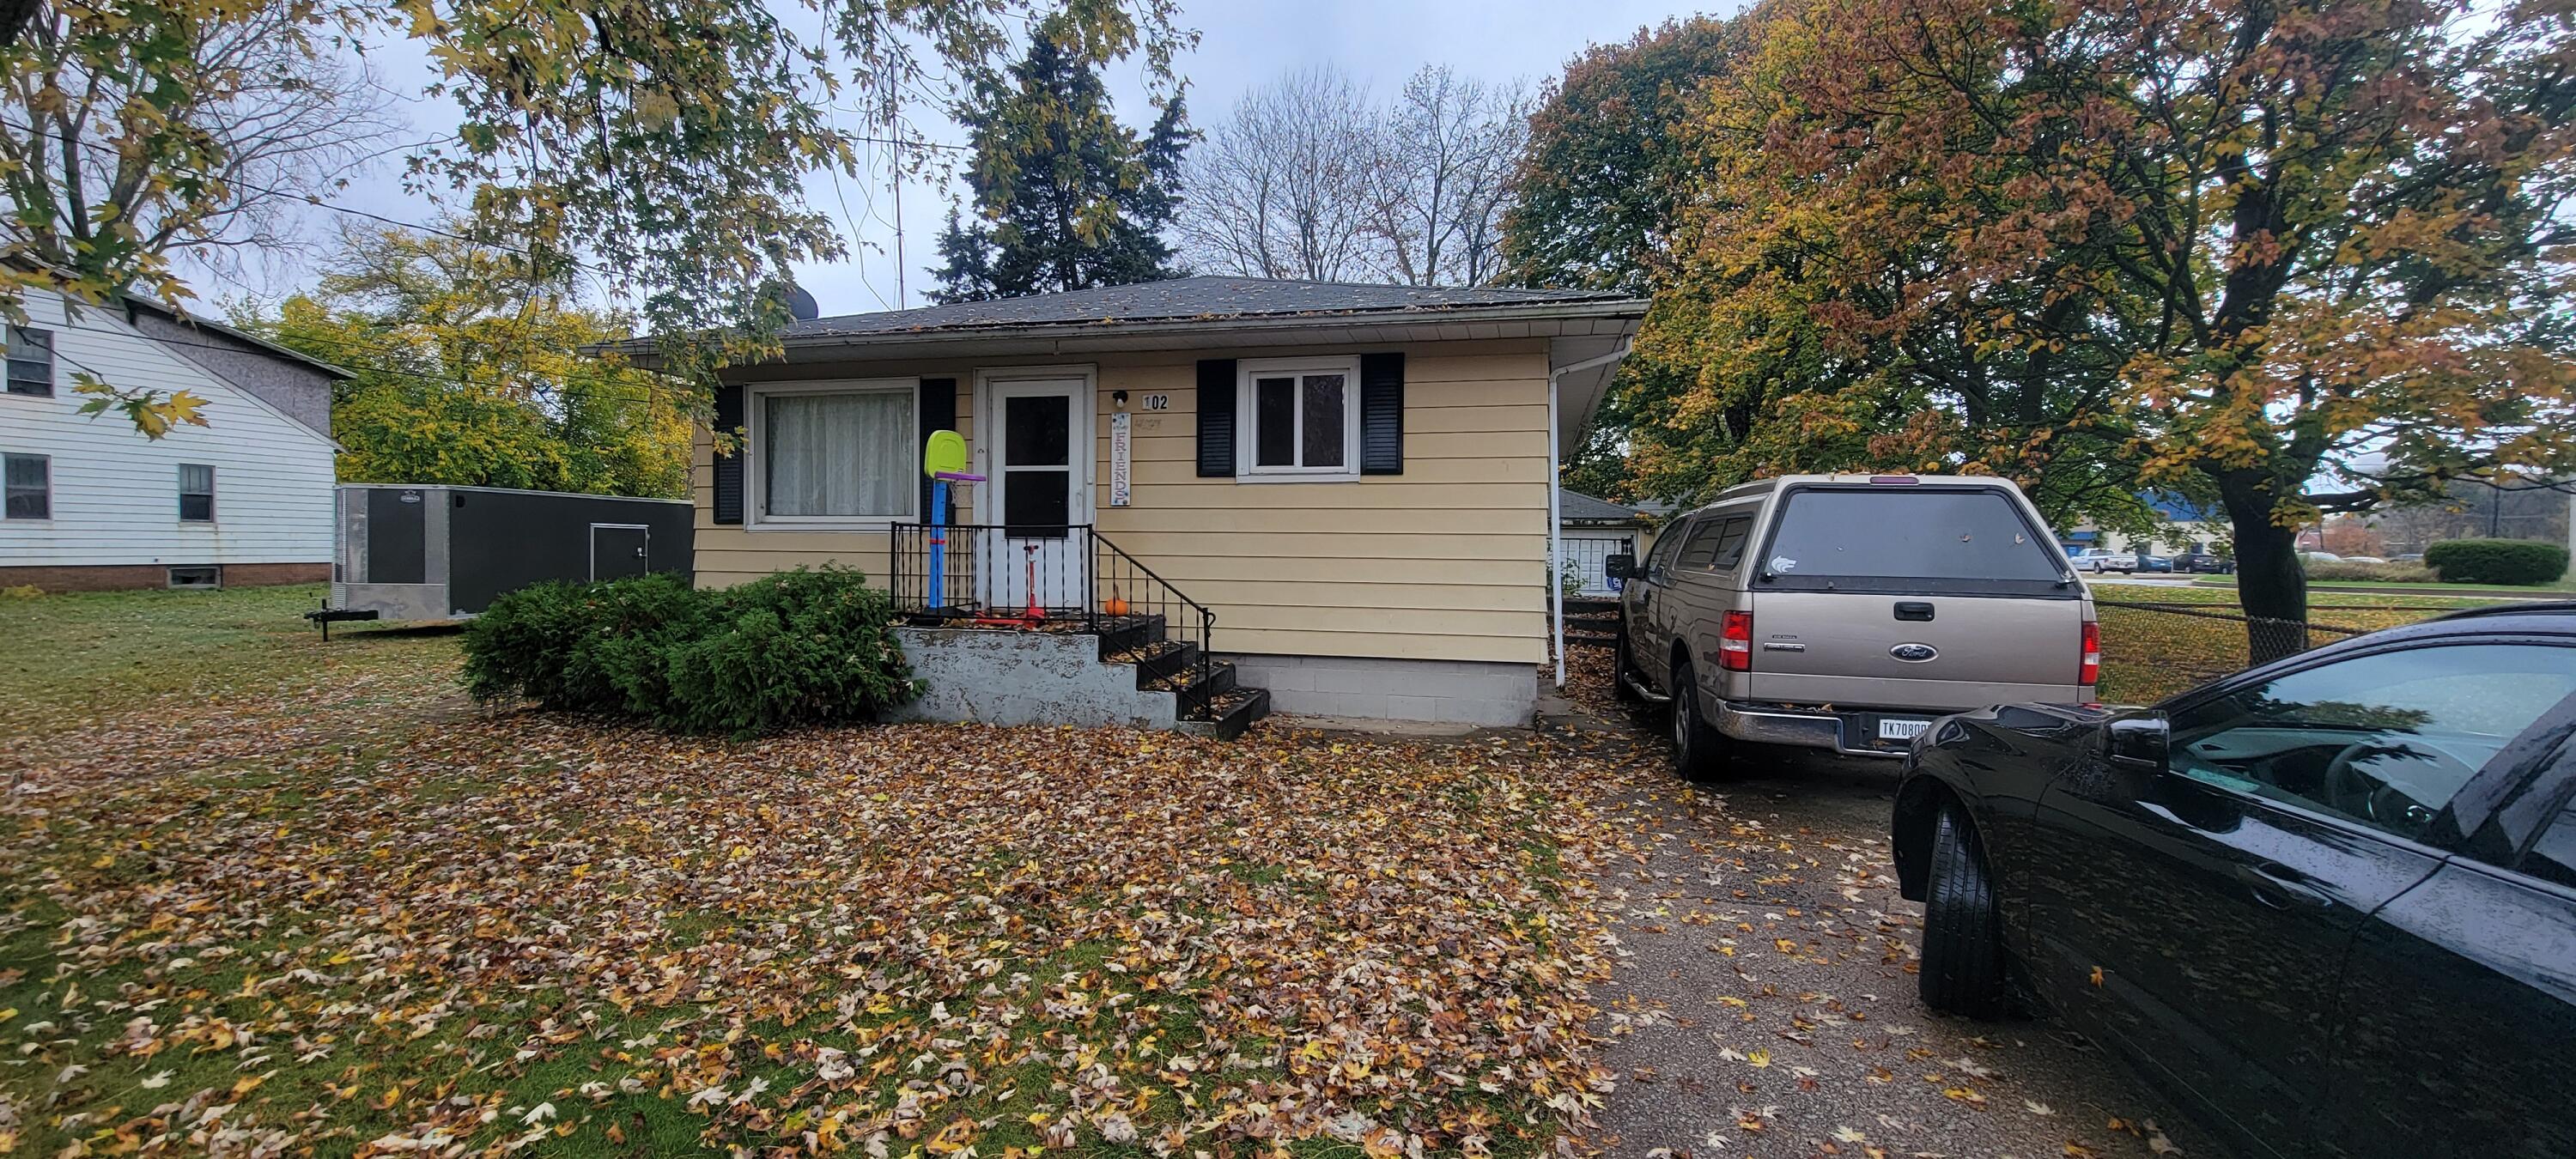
(1735, 642)
(2090, 671)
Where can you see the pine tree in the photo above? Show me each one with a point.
(1065, 197)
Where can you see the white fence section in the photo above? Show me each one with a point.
(1584, 551)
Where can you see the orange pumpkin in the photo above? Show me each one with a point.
(1115, 605)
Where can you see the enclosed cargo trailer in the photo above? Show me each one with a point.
(443, 553)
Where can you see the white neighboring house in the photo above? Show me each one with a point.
(92, 504)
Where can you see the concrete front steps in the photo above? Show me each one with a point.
(1127, 672)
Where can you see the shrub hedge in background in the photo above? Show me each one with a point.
(2497, 561)
(799, 647)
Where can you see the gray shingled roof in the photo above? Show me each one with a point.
(1185, 298)
(1576, 507)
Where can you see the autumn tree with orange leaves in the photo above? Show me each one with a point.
(2297, 258)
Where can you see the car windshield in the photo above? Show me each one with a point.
(1911, 534)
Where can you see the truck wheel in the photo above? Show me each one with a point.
(1623, 677)
(1701, 754)
(1963, 949)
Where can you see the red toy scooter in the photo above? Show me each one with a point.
(1032, 617)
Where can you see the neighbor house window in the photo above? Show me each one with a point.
(29, 491)
(1301, 418)
(196, 493)
(31, 361)
(835, 454)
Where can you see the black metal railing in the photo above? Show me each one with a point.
(1067, 578)
(1182, 631)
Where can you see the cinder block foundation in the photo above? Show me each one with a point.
(1443, 691)
(1011, 678)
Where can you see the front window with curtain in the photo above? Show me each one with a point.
(838, 454)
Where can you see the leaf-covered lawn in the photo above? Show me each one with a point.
(361, 916)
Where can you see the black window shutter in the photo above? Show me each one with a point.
(728, 468)
(1382, 414)
(1216, 418)
(938, 413)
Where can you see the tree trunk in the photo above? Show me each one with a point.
(2269, 579)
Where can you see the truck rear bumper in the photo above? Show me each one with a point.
(1849, 733)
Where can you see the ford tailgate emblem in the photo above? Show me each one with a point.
(1914, 653)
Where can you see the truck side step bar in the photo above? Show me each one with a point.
(1644, 693)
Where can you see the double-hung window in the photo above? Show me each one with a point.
(1300, 418)
(834, 455)
(26, 487)
(196, 493)
(31, 361)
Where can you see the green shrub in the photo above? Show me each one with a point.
(2497, 561)
(795, 647)
(2386, 573)
(788, 649)
(519, 645)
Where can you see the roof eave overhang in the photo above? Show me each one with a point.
(1613, 318)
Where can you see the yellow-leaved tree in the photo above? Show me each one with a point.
(471, 370)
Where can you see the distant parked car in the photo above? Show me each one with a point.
(2098, 560)
(2363, 559)
(2319, 557)
(2204, 563)
(2408, 557)
(2158, 563)
(2332, 898)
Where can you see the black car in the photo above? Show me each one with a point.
(2330, 901)
(2204, 563)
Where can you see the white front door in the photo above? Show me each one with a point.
(1037, 449)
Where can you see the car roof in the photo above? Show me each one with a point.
(2553, 613)
(2533, 617)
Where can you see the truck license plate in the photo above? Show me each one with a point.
(1901, 729)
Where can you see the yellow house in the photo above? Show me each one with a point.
(1328, 499)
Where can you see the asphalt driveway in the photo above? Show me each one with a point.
(1764, 1002)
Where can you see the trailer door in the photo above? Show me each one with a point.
(619, 550)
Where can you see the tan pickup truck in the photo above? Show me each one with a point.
(1846, 611)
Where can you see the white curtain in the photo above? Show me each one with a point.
(839, 454)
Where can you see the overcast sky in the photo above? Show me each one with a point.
(1241, 46)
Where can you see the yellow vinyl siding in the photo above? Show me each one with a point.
(1444, 562)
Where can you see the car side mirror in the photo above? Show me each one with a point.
(1619, 565)
(2138, 742)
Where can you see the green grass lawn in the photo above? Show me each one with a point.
(79, 654)
(266, 893)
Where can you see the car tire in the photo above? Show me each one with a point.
(1962, 971)
(1701, 754)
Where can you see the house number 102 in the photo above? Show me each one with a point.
(1158, 402)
